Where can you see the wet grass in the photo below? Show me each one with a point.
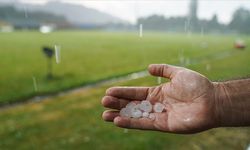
(91, 56)
(74, 121)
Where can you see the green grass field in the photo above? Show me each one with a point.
(91, 56)
(73, 121)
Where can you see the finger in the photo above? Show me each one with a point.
(134, 93)
(113, 102)
(109, 115)
(132, 123)
(163, 70)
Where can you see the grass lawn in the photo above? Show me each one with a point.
(88, 56)
(74, 121)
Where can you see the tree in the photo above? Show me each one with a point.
(241, 21)
(213, 24)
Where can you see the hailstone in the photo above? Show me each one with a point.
(158, 107)
(145, 106)
(145, 114)
(136, 113)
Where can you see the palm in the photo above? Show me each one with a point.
(188, 101)
(188, 98)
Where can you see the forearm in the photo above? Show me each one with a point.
(232, 103)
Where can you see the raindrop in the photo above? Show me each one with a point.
(208, 67)
(57, 53)
(202, 31)
(140, 30)
(188, 31)
(181, 58)
(185, 26)
(35, 84)
(187, 62)
(25, 11)
(159, 80)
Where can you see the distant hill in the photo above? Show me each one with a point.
(22, 19)
(75, 14)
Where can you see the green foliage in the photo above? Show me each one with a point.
(241, 21)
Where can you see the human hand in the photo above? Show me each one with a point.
(189, 100)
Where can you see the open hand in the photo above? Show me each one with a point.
(189, 99)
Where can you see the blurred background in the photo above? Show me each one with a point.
(59, 56)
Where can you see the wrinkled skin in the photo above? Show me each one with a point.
(189, 99)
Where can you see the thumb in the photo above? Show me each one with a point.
(163, 70)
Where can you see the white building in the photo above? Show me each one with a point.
(5, 27)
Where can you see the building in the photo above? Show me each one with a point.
(6, 27)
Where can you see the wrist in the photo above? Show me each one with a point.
(222, 104)
(232, 103)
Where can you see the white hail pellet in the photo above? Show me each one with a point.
(142, 109)
(146, 106)
(131, 105)
(151, 116)
(145, 114)
(158, 107)
(124, 112)
(136, 113)
(131, 110)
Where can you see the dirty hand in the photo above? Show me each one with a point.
(189, 99)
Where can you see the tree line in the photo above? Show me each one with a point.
(240, 23)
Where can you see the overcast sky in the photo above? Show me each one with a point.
(131, 9)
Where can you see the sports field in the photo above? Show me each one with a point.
(73, 121)
(87, 57)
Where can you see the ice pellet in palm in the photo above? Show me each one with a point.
(136, 113)
(151, 116)
(145, 106)
(143, 109)
(131, 105)
(145, 114)
(124, 112)
(158, 107)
